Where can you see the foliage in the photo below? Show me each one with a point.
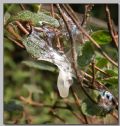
(102, 37)
(85, 57)
(30, 86)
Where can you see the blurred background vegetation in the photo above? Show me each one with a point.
(21, 79)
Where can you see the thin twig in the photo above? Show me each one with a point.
(97, 68)
(101, 86)
(93, 72)
(75, 97)
(52, 11)
(73, 54)
(110, 26)
(71, 13)
(16, 42)
(75, 68)
(57, 116)
(22, 6)
(77, 101)
(21, 27)
(75, 114)
(97, 83)
(70, 34)
(56, 36)
(88, 9)
(11, 30)
(114, 115)
(36, 104)
(53, 113)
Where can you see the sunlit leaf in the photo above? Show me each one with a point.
(102, 37)
(101, 62)
(35, 18)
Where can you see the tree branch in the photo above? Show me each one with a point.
(110, 26)
(71, 13)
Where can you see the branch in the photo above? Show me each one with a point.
(22, 7)
(11, 30)
(57, 116)
(52, 10)
(88, 9)
(110, 26)
(73, 53)
(77, 101)
(56, 36)
(22, 28)
(36, 104)
(16, 42)
(71, 13)
(93, 72)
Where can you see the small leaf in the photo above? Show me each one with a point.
(91, 109)
(101, 37)
(101, 62)
(86, 55)
(111, 80)
(111, 51)
(112, 72)
(35, 18)
(42, 65)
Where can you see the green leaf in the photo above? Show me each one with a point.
(101, 62)
(36, 7)
(35, 18)
(91, 109)
(112, 72)
(86, 54)
(111, 80)
(101, 37)
(111, 51)
(42, 65)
